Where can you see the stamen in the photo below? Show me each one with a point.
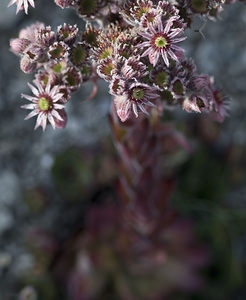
(44, 104)
(161, 42)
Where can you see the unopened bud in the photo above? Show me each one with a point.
(26, 65)
(34, 52)
(18, 46)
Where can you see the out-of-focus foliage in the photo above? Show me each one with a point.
(205, 185)
(204, 181)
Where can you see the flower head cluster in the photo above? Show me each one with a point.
(135, 46)
(62, 64)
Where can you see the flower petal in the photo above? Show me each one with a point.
(52, 121)
(164, 56)
(30, 98)
(56, 115)
(33, 89)
(29, 106)
(147, 52)
(31, 114)
(11, 2)
(123, 107)
(58, 106)
(135, 109)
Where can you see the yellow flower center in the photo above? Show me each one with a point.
(44, 104)
(161, 42)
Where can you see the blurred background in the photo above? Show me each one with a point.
(49, 181)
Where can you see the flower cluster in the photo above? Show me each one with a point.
(62, 64)
(136, 46)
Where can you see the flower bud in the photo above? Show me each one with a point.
(45, 36)
(72, 78)
(18, 46)
(67, 33)
(35, 52)
(178, 86)
(58, 51)
(29, 33)
(26, 65)
(196, 103)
